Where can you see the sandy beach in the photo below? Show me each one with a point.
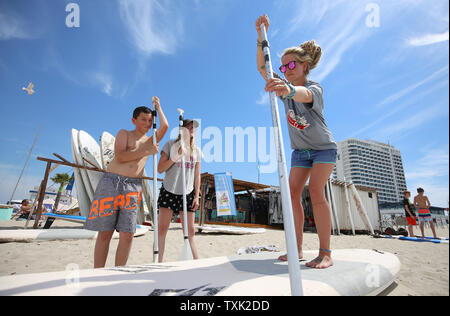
(425, 266)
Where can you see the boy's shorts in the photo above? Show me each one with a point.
(174, 202)
(425, 215)
(116, 203)
(411, 221)
(309, 157)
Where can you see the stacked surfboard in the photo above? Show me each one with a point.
(357, 272)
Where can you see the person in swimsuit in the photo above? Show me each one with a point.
(119, 192)
(422, 203)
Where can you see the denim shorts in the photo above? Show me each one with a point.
(116, 204)
(308, 157)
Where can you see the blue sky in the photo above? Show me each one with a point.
(385, 76)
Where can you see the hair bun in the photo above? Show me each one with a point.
(314, 51)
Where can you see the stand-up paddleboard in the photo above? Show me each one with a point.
(107, 154)
(357, 272)
(439, 238)
(84, 200)
(107, 141)
(70, 218)
(436, 241)
(90, 150)
(416, 239)
(232, 230)
(30, 235)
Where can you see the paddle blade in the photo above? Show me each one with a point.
(186, 253)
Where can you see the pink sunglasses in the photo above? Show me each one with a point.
(291, 65)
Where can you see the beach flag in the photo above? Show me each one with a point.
(69, 187)
(225, 201)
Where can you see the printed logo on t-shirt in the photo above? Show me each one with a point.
(188, 164)
(299, 122)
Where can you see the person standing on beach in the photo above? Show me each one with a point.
(422, 203)
(119, 192)
(409, 212)
(315, 151)
(170, 198)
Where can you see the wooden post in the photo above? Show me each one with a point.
(201, 219)
(42, 195)
(32, 206)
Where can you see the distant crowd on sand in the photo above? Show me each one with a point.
(422, 205)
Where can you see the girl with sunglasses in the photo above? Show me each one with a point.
(314, 150)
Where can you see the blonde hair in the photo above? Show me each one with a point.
(308, 52)
(192, 146)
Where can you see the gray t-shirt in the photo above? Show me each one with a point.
(306, 124)
(173, 179)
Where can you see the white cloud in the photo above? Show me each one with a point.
(264, 98)
(411, 122)
(337, 26)
(104, 81)
(428, 39)
(380, 120)
(12, 27)
(394, 97)
(154, 28)
(431, 172)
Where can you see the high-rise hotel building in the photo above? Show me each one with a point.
(372, 164)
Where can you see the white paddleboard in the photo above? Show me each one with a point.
(30, 235)
(90, 150)
(415, 239)
(355, 272)
(107, 148)
(232, 230)
(84, 200)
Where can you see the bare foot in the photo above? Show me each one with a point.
(285, 258)
(321, 262)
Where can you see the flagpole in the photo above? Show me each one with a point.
(26, 162)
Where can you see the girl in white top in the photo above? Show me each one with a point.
(170, 199)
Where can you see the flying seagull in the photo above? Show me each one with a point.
(29, 89)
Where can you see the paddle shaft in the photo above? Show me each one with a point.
(155, 195)
(183, 179)
(288, 217)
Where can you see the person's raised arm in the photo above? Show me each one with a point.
(163, 123)
(261, 64)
